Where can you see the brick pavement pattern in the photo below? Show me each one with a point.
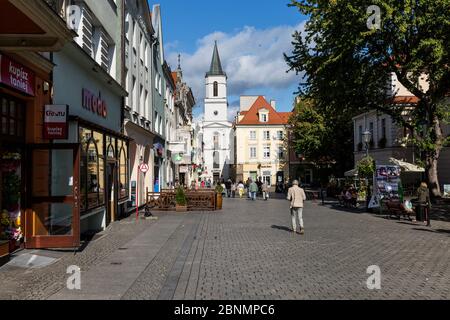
(247, 252)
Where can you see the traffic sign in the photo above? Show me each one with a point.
(144, 168)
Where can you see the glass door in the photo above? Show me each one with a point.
(52, 217)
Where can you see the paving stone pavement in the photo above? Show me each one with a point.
(247, 252)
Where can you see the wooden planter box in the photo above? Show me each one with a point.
(181, 208)
(4, 251)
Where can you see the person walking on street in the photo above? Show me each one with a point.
(233, 189)
(228, 187)
(253, 190)
(424, 204)
(241, 189)
(265, 190)
(296, 196)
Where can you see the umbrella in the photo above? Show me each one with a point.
(406, 166)
(351, 173)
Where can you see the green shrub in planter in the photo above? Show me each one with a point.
(219, 189)
(366, 167)
(180, 197)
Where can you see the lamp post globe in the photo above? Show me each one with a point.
(367, 137)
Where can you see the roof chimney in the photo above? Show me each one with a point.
(273, 103)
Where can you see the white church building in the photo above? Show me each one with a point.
(217, 130)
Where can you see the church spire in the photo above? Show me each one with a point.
(216, 65)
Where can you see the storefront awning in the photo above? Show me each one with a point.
(406, 166)
(32, 25)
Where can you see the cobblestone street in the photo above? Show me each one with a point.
(247, 252)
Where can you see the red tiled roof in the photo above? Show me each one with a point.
(251, 116)
(405, 100)
(175, 77)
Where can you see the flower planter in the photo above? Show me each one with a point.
(181, 208)
(4, 248)
(12, 246)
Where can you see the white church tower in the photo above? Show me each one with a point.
(217, 130)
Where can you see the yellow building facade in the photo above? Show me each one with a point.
(261, 146)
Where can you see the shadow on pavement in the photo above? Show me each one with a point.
(433, 231)
(283, 228)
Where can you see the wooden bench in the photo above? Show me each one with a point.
(396, 208)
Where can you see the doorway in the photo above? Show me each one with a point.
(53, 218)
(111, 193)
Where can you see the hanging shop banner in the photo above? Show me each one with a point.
(55, 122)
(16, 76)
(388, 181)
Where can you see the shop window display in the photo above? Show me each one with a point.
(96, 149)
(10, 220)
(123, 171)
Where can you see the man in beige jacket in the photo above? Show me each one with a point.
(296, 196)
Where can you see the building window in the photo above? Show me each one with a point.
(12, 118)
(266, 153)
(360, 132)
(252, 152)
(280, 135)
(383, 128)
(252, 135)
(216, 141)
(216, 159)
(263, 117)
(267, 175)
(280, 152)
(266, 135)
(216, 89)
(123, 170)
(92, 169)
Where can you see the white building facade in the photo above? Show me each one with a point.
(218, 135)
(138, 105)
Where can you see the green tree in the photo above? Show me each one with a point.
(347, 65)
(307, 128)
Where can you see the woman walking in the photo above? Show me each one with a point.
(424, 204)
(241, 189)
(265, 190)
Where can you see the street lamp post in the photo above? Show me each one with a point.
(367, 137)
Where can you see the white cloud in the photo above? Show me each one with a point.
(252, 58)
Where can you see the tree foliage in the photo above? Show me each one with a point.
(347, 66)
(308, 130)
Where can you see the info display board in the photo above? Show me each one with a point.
(387, 181)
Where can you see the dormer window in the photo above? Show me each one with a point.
(263, 116)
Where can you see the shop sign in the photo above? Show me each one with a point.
(55, 122)
(16, 76)
(94, 103)
(184, 169)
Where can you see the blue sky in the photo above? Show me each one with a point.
(252, 36)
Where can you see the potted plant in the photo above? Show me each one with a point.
(219, 199)
(181, 201)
